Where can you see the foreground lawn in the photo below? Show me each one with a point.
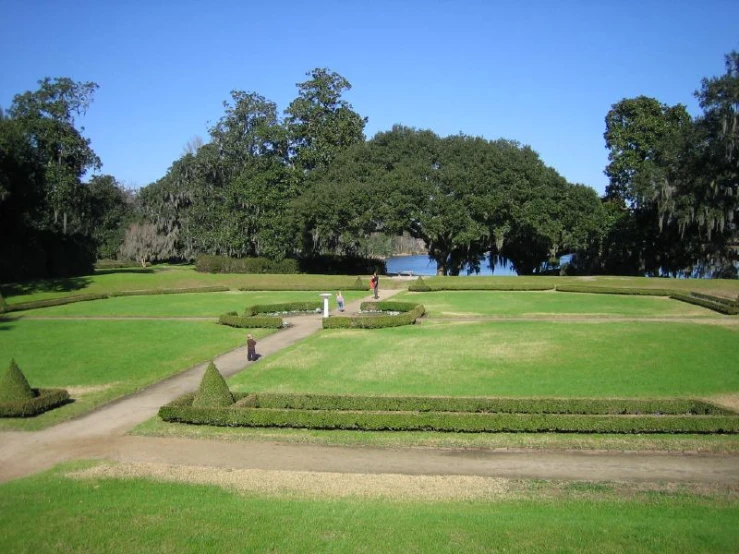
(52, 513)
(516, 358)
(102, 360)
(210, 304)
(481, 303)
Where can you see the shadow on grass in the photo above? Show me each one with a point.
(68, 284)
(124, 270)
(6, 323)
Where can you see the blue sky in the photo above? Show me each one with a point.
(542, 73)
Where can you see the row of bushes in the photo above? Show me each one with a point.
(716, 303)
(410, 313)
(591, 406)
(87, 297)
(182, 411)
(43, 400)
(419, 285)
(283, 307)
(319, 264)
(232, 319)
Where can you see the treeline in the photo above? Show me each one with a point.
(306, 183)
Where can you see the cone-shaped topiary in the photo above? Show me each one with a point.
(359, 284)
(14, 385)
(213, 391)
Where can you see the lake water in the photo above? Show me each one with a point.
(423, 265)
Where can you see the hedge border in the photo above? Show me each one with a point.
(289, 307)
(251, 322)
(45, 399)
(410, 313)
(242, 415)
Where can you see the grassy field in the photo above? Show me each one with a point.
(104, 515)
(102, 360)
(181, 305)
(522, 304)
(186, 276)
(517, 358)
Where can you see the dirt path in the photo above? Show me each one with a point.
(101, 435)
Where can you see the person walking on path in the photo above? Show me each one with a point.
(375, 281)
(340, 301)
(251, 346)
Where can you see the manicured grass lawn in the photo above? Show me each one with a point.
(516, 358)
(210, 304)
(481, 303)
(50, 513)
(106, 358)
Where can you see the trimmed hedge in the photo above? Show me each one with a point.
(14, 386)
(590, 406)
(289, 307)
(44, 400)
(213, 391)
(411, 312)
(423, 286)
(711, 304)
(146, 292)
(613, 290)
(55, 302)
(250, 322)
(446, 421)
(223, 264)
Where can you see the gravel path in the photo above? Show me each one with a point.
(101, 435)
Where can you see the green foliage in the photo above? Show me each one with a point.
(419, 286)
(410, 313)
(710, 303)
(288, 307)
(223, 264)
(613, 290)
(352, 416)
(250, 322)
(476, 284)
(189, 290)
(55, 302)
(43, 401)
(14, 385)
(3, 305)
(213, 391)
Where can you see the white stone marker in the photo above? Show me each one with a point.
(325, 296)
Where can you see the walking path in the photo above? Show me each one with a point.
(101, 434)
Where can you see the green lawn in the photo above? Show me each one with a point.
(586, 359)
(50, 513)
(107, 359)
(498, 303)
(182, 305)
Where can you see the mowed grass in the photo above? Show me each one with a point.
(177, 278)
(533, 303)
(51, 513)
(182, 305)
(106, 359)
(511, 358)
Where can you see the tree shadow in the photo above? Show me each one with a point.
(67, 284)
(124, 270)
(6, 323)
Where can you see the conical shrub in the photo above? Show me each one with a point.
(359, 284)
(14, 385)
(213, 391)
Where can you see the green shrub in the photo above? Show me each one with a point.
(213, 391)
(613, 290)
(43, 400)
(411, 312)
(359, 284)
(3, 305)
(145, 292)
(720, 307)
(474, 284)
(223, 264)
(14, 386)
(419, 286)
(55, 302)
(246, 322)
(289, 307)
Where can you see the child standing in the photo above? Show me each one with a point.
(340, 301)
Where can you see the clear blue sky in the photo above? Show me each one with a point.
(544, 73)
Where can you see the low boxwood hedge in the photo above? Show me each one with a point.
(711, 304)
(43, 400)
(286, 307)
(250, 322)
(613, 290)
(410, 312)
(211, 288)
(248, 413)
(55, 302)
(419, 285)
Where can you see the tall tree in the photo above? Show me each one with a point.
(48, 117)
(320, 122)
